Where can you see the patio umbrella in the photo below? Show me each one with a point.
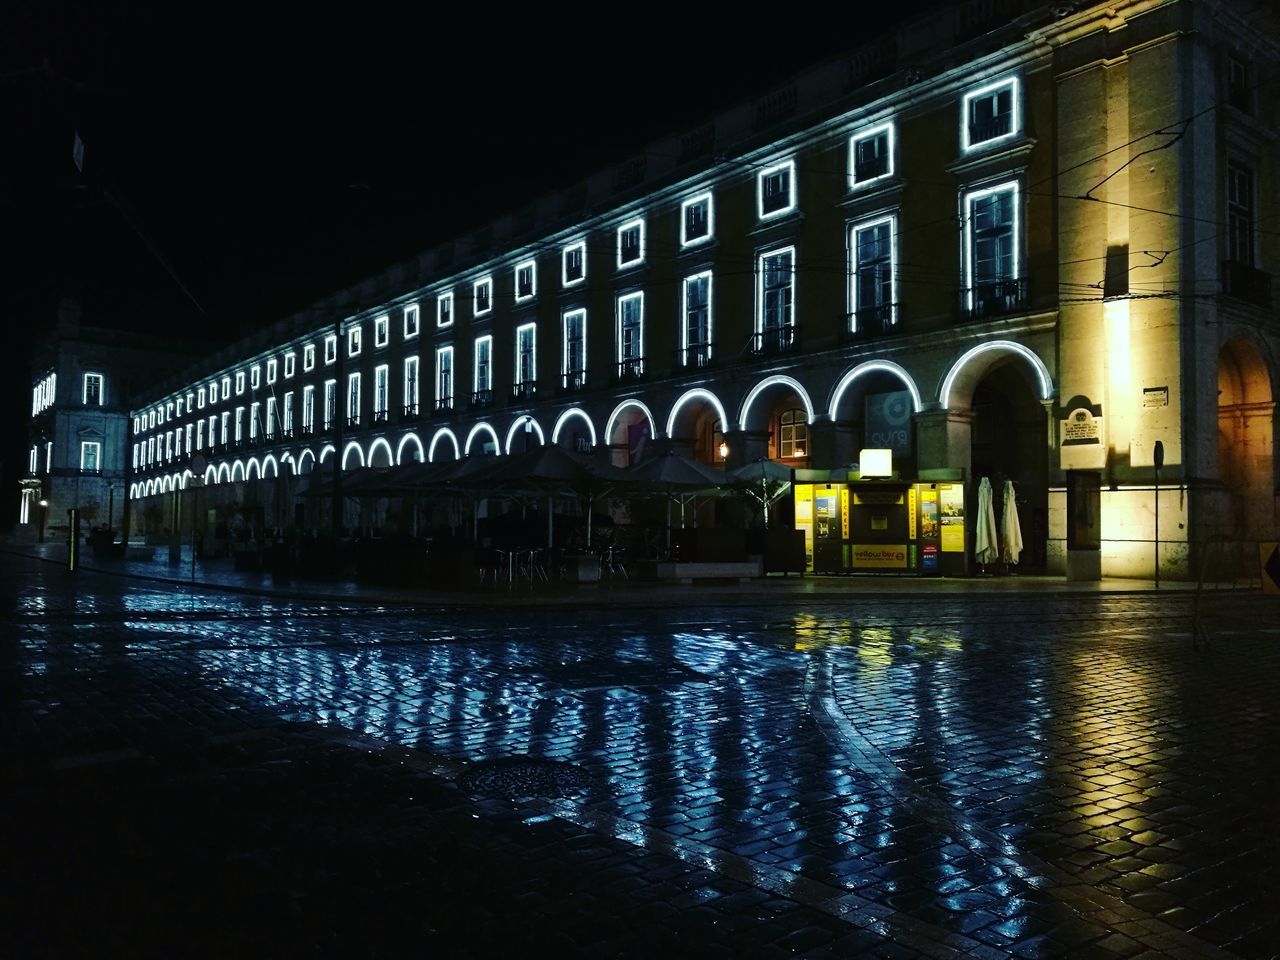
(677, 478)
(1010, 527)
(765, 481)
(985, 548)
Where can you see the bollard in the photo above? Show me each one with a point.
(73, 540)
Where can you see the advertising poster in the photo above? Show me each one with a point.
(928, 514)
(951, 507)
(879, 557)
(804, 519)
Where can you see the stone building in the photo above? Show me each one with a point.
(1008, 240)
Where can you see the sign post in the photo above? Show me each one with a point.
(1157, 458)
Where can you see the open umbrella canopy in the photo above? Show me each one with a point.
(764, 480)
(546, 469)
(673, 472)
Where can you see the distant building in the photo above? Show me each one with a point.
(1009, 240)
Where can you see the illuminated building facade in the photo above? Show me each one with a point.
(1013, 240)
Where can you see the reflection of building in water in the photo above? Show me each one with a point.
(780, 283)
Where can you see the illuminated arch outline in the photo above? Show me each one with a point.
(777, 379)
(287, 457)
(346, 452)
(497, 444)
(164, 484)
(524, 418)
(997, 346)
(210, 475)
(613, 419)
(238, 465)
(404, 442)
(133, 491)
(150, 488)
(252, 466)
(380, 441)
(302, 458)
(572, 412)
(697, 393)
(443, 432)
(187, 477)
(275, 466)
(324, 452)
(224, 472)
(873, 366)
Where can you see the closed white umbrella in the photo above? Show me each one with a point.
(985, 548)
(1011, 527)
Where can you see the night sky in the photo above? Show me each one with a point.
(269, 161)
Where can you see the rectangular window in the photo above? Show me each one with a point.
(526, 281)
(410, 321)
(90, 456)
(1239, 93)
(331, 349)
(168, 410)
(381, 331)
(871, 155)
(308, 357)
(630, 335)
(411, 386)
(574, 349)
(872, 293)
(190, 432)
(213, 430)
(179, 405)
(254, 410)
(1239, 213)
(286, 421)
(696, 331)
(573, 264)
(775, 300)
(990, 114)
(631, 243)
(444, 378)
(33, 465)
(695, 220)
(239, 383)
(177, 442)
(92, 395)
(330, 403)
(272, 367)
(353, 341)
(444, 309)
(776, 189)
(290, 364)
(308, 410)
(353, 399)
(482, 292)
(482, 369)
(200, 435)
(226, 427)
(239, 424)
(269, 427)
(991, 250)
(526, 359)
(191, 398)
(151, 450)
(380, 376)
(255, 377)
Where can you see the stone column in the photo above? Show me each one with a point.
(944, 440)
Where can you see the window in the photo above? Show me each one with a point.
(151, 450)
(152, 418)
(286, 421)
(179, 405)
(191, 398)
(239, 383)
(255, 377)
(213, 429)
(331, 349)
(793, 434)
(1239, 213)
(482, 369)
(871, 155)
(200, 435)
(239, 424)
(775, 300)
(93, 392)
(90, 456)
(411, 321)
(444, 378)
(353, 340)
(411, 386)
(482, 291)
(380, 376)
(308, 409)
(1239, 94)
(290, 364)
(353, 399)
(573, 264)
(254, 410)
(330, 403)
(308, 357)
(871, 295)
(188, 431)
(226, 427)
(776, 189)
(526, 281)
(695, 220)
(269, 428)
(33, 464)
(574, 349)
(991, 250)
(526, 359)
(696, 331)
(226, 388)
(631, 243)
(168, 410)
(200, 398)
(990, 114)
(381, 331)
(272, 367)
(630, 335)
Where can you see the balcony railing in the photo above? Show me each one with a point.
(444, 404)
(1246, 283)
(991, 299)
(695, 355)
(773, 340)
(630, 369)
(871, 321)
(990, 129)
(524, 390)
(870, 168)
(353, 423)
(380, 416)
(575, 380)
(482, 398)
(408, 411)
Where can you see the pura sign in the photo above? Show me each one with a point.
(888, 423)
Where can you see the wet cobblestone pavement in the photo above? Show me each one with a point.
(204, 775)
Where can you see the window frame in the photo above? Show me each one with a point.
(255, 376)
(621, 300)
(532, 329)
(330, 349)
(85, 446)
(487, 340)
(487, 283)
(444, 401)
(240, 383)
(102, 388)
(565, 370)
(685, 240)
(684, 313)
(444, 307)
(381, 384)
(967, 247)
(789, 165)
(354, 398)
(355, 339)
(581, 247)
(290, 364)
(854, 229)
(410, 329)
(637, 223)
(409, 387)
(532, 267)
(308, 357)
(886, 128)
(760, 288)
(1015, 113)
(381, 331)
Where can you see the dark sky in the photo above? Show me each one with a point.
(268, 160)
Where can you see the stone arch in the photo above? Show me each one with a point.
(628, 430)
(478, 429)
(210, 475)
(771, 384)
(404, 442)
(976, 362)
(862, 370)
(325, 452)
(571, 413)
(269, 461)
(692, 421)
(443, 433)
(237, 471)
(531, 425)
(253, 470)
(373, 459)
(287, 457)
(306, 462)
(187, 477)
(1246, 439)
(224, 473)
(346, 454)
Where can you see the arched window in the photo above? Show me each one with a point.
(793, 434)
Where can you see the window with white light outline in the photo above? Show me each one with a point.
(239, 424)
(695, 331)
(696, 220)
(871, 155)
(226, 427)
(573, 264)
(33, 465)
(410, 321)
(872, 291)
(239, 383)
(90, 456)
(290, 364)
(444, 378)
(381, 331)
(444, 309)
(273, 367)
(526, 358)
(331, 349)
(168, 411)
(151, 415)
(213, 430)
(573, 362)
(630, 335)
(200, 434)
(213, 391)
(226, 388)
(286, 419)
(330, 403)
(381, 392)
(482, 366)
(269, 426)
(990, 113)
(526, 277)
(308, 409)
(308, 358)
(353, 399)
(411, 386)
(254, 409)
(179, 404)
(775, 299)
(991, 254)
(631, 243)
(482, 296)
(776, 190)
(255, 376)
(151, 450)
(354, 340)
(93, 393)
(191, 397)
